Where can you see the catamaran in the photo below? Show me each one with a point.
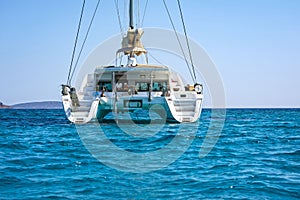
(132, 88)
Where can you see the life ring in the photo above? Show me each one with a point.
(65, 90)
(198, 88)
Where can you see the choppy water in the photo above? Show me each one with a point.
(256, 157)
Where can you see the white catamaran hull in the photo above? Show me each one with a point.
(90, 105)
(170, 108)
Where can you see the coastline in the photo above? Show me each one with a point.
(34, 105)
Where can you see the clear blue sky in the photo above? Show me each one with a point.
(255, 45)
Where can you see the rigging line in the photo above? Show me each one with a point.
(186, 61)
(85, 38)
(144, 13)
(156, 59)
(124, 16)
(76, 39)
(186, 38)
(138, 14)
(119, 18)
(125, 13)
(135, 14)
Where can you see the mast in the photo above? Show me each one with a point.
(131, 26)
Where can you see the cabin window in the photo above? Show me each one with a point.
(103, 84)
(142, 86)
(158, 86)
(122, 86)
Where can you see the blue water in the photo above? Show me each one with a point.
(257, 156)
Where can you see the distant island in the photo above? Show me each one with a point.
(3, 106)
(35, 105)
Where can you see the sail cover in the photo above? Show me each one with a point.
(131, 43)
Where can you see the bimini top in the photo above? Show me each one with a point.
(138, 67)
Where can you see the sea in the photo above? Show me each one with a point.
(254, 154)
